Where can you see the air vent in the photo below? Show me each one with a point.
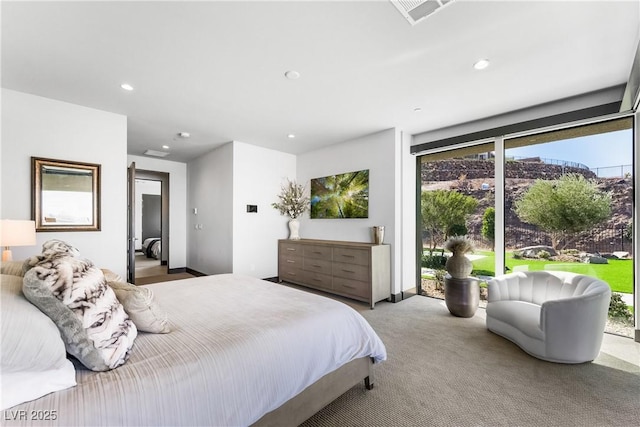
(415, 11)
(155, 153)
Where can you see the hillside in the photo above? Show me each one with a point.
(608, 238)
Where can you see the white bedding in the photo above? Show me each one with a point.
(152, 247)
(239, 348)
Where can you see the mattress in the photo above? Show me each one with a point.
(239, 348)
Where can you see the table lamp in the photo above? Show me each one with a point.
(16, 233)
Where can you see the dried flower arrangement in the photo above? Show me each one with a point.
(293, 202)
(459, 244)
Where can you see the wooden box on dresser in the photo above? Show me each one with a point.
(361, 271)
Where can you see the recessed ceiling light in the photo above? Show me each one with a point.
(184, 134)
(291, 136)
(166, 147)
(417, 110)
(481, 64)
(292, 75)
(126, 86)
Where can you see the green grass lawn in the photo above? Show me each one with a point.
(618, 273)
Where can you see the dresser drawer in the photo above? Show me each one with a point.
(317, 252)
(351, 256)
(318, 265)
(351, 287)
(290, 261)
(290, 248)
(289, 273)
(351, 271)
(318, 280)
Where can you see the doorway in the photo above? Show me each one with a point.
(148, 229)
(149, 224)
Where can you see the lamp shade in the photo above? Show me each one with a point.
(17, 232)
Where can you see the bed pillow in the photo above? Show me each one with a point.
(110, 276)
(12, 268)
(33, 359)
(139, 304)
(74, 294)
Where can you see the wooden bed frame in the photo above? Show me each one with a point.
(319, 394)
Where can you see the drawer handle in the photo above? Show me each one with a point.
(316, 266)
(348, 271)
(348, 286)
(291, 249)
(349, 256)
(290, 261)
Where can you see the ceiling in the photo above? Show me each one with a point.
(217, 69)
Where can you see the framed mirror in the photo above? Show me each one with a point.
(66, 195)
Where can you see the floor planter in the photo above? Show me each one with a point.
(462, 296)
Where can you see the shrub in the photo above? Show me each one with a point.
(457, 230)
(565, 258)
(618, 309)
(517, 255)
(488, 229)
(544, 254)
(433, 261)
(573, 252)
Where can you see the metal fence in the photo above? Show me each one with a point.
(598, 239)
(620, 171)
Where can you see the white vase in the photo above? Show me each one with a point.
(294, 229)
(459, 266)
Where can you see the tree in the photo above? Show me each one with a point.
(489, 225)
(443, 211)
(564, 207)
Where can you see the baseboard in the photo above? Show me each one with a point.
(177, 270)
(165, 263)
(194, 272)
(396, 297)
(272, 279)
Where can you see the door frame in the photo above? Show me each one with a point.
(163, 177)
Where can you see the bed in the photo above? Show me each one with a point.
(152, 247)
(242, 351)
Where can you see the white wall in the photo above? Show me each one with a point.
(258, 175)
(210, 191)
(41, 127)
(221, 185)
(381, 153)
(406, 270)
(177, 204)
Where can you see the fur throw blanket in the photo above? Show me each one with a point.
(75, 295)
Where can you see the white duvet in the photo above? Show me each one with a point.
(239, 348)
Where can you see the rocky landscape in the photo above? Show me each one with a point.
(466, 177)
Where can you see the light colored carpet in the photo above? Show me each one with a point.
(448, 371)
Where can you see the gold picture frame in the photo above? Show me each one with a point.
(66, 195)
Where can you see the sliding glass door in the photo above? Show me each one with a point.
(457, 198)
(565, 202)
(568, 200)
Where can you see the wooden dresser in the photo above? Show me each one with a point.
(361, 271)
